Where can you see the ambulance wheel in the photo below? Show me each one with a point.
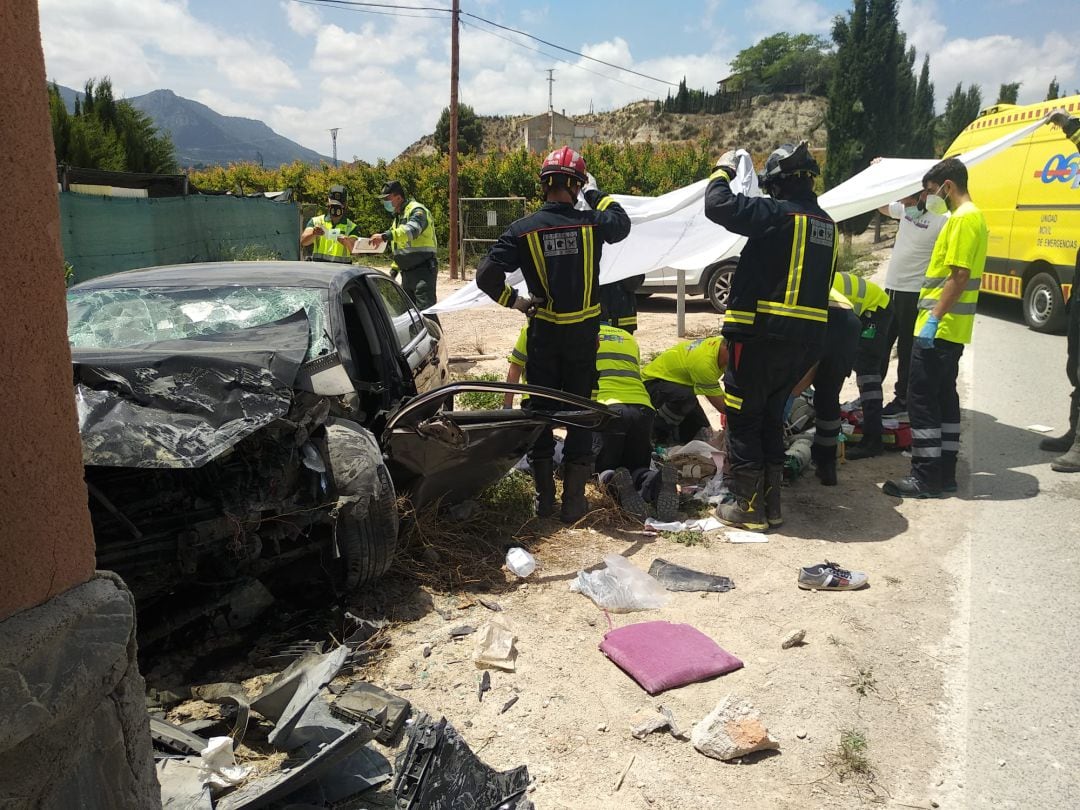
(1044, 306)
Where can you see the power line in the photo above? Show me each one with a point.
(552, 56)
(566, 50)
(341, 5)
(401, 11)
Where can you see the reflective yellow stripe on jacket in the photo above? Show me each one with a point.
(327, 248)
(618, 369)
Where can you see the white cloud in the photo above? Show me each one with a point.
(304, 20)
(769, 16)
(141, 43)
(988, 61)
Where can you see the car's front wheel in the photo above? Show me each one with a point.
(367, 518)
(718, 286)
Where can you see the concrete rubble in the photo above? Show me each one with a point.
(733, 729)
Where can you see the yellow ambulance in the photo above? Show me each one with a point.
(1030, 195)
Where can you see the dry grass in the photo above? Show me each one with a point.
(447, 554)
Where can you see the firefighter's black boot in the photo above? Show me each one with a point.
(747, 510)
(774, 479)
(1060, 444)
(543, 471)
(1070, 462)
(869, 447)
(574, 505)
(824, 463)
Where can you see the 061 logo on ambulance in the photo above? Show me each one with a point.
(1062, 169)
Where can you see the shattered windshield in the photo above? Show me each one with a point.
(124, 317)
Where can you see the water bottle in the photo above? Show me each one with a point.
(520, 562)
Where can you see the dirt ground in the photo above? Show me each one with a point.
(874, 661)
(880, 662)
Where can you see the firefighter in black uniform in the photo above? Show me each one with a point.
(558, 250)
(775, 321)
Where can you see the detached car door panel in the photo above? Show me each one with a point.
(434, 451)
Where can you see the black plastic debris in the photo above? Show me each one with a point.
(328, 765)
(438, 771)
(483, 686)
(677, 578)
(508, 704)
(462, 630)
(490, 605)
(383, 712)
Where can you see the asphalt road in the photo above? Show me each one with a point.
(1023, 677)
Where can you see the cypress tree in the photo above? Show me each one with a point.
(923, 119)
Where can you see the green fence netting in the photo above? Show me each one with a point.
(103, 235)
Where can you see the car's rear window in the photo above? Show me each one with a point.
(122, 318)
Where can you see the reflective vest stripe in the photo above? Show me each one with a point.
(423, 242)
(537, 253)
(504, 297)
(787, 311)
(798, 240)
(739, 316)
(939, 281)
(568, 317)
(732, 401)
(959, 308)
(587, 240)
(325, 249)
(617, 372)
(604, 203)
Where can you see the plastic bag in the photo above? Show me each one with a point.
(495, 646)
(520, 562)
(620, 587)
(217, 765)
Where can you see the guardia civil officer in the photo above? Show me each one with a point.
(411, 237)
(331, 235)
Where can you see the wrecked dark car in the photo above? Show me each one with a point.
(238, 416)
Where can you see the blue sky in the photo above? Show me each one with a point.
(383, 79)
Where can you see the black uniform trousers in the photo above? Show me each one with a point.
(872, 348)
(901, 333)
(627, 441)
(841, 349)
(1072, 340)
(679, 415)
(757, 383)
(934, 408)
(562, 356)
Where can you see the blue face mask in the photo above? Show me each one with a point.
(912, 211)
(389, 206)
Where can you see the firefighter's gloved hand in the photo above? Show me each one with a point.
(590, 184)
(1059, 117)
(925, 338)
(527, 304)
(729, 162)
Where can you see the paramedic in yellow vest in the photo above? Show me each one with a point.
(946, 318)
(412, 239)
(331, 236)
(675, 379)
(625, 450)
(871, 306)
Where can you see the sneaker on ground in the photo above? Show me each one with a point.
(828, 576)
(895, 410)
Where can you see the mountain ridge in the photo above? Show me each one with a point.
(204, 137)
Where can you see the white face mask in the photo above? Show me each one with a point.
(936, 204)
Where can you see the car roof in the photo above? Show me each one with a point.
(224, 274)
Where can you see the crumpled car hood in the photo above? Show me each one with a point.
(182, 403)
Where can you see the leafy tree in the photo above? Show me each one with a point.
(961, 108)
(784, 61)
(1008, 93)
(863, 116)
(1054, 91)
(923, 119)
(103, 133)
(470, 131)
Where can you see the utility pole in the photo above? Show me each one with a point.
(455, 17)
(333, 140)
(551, 108)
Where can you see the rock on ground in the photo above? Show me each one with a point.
(733, 729)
